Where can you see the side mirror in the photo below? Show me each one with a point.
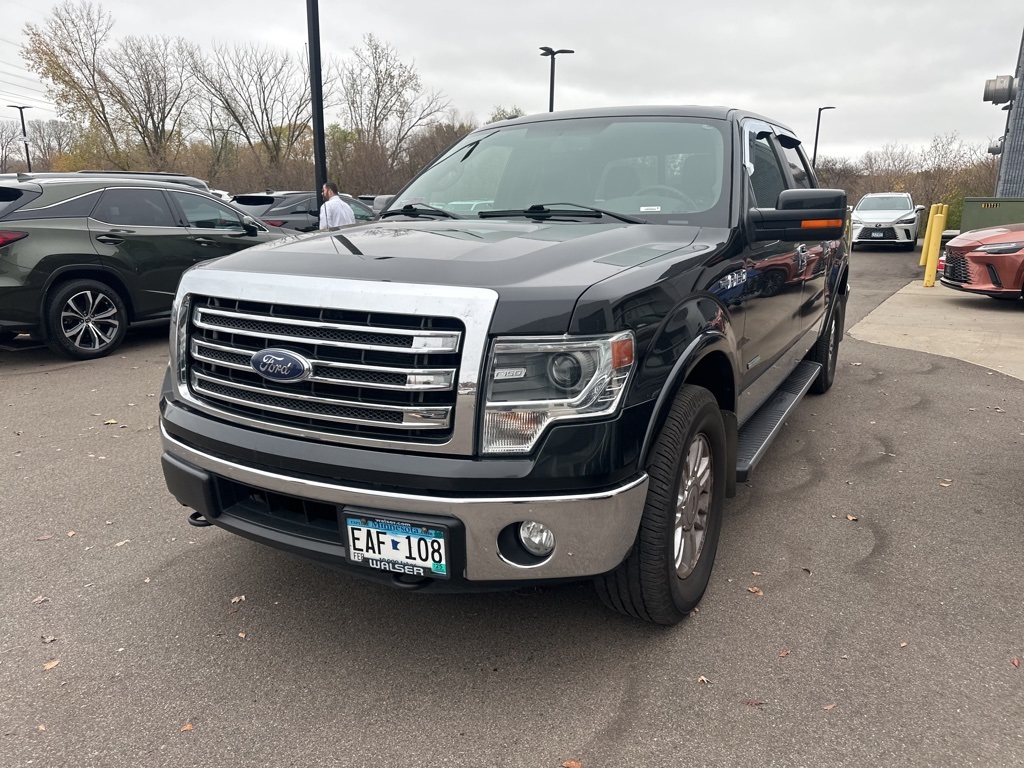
(249, 225)
(380, 202)
(801, 214)
(918, 208)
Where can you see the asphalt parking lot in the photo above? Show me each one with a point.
(882, 538)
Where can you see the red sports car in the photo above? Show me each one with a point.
(986, 261)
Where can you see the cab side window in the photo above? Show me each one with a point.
(797, 167)
(204, 213)
(134, 207)
(768, 180)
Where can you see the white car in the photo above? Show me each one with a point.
(886, 218)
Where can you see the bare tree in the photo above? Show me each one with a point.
(67, 51)
(261, 96)
(384, 100)
(150, 80)
(10, 147)
(430, 142)
(51, 139)
(137, 92)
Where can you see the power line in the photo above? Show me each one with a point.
(26, 93)
(28, 101)
(35, 83)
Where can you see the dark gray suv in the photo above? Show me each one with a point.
(83, 258)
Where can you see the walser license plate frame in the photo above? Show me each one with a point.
(398, 545)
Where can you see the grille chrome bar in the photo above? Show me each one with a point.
(359, 337)
(326, 372)
(332, 409)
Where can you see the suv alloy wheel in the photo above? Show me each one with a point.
(85, 319)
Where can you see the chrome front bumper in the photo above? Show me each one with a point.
(593, 531)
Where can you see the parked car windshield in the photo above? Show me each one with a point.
(884, 203)
(657, 169)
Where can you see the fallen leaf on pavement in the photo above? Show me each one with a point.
(1015, 662)
(784, 654)
(51, 664)
(238, 599)
(41, 727)
(904, 645)
(703, 680)
(754, 591)
(753, 702)
(572, 764)
(70, 534)
(122, 543)
(829, 706)
(852, 518)
(757, 573)
(40, 599)
(186, 727)
(45, 537)
(806, 570)
(242, 635)
(47, 639)
(110, 421)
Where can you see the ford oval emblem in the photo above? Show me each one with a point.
(280, 365)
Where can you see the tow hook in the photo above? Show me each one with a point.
(198, 520)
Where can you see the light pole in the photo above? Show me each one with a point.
(548, 51)
(24, 133)
(814, 158)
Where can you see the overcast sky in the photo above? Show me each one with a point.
(895, 71)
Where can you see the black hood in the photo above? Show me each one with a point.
(538, 269)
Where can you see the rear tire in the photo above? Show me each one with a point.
(85, 319)
(666, 572)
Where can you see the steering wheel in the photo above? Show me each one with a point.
(667, 190)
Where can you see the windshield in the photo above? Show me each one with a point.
(884, 203)
(657, 169)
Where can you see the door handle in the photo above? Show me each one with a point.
(204, 241)
(110, 239)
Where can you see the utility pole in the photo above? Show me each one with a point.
(24, 133)
(316, 92)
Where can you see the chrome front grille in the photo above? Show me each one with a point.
(377, 375)
(957, 269)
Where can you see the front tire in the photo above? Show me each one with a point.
(826, 352)
(85, 319)
(667, 571)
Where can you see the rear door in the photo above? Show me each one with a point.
(136, 235)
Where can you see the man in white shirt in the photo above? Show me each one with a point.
(335, 211)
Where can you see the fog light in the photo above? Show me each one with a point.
(538, 539)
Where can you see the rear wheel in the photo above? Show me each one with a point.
(85, 319)
(665, 575)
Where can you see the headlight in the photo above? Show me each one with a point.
(1002, 247)
(856, 222)
(908, 219)
(534, 382)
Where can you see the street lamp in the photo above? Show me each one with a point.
(24, 133)
(548, 51)
(814, 158)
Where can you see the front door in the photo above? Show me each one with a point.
(216, 229)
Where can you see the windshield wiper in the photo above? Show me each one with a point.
(547, 211)
(419, 209)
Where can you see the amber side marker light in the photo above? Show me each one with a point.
(821, 223)
(622, 353)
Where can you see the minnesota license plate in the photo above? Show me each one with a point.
(398, 546)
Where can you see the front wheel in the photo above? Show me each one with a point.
(665, 575)
(85, 319)
(826, 352)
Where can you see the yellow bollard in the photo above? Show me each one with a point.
(933, 251)
(932, 213)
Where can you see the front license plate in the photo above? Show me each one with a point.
(398, 546)
(877, 234)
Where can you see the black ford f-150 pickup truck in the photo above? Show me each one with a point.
(550, 358)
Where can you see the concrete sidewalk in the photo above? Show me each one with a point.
(945, 322)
